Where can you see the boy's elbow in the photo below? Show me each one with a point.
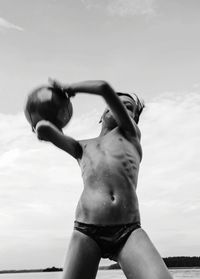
(104, 86)
(42, 132)
(46, 130)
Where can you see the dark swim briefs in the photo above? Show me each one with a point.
(110, 238)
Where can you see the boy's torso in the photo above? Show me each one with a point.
(109, 166)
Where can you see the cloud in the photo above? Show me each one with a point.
(4, 24)
(123, 7)
(169, 175)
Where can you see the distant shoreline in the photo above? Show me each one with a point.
(187, 267)
(171, 262)
(59, 270)
(49, 269)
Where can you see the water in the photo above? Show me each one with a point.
(102, 274)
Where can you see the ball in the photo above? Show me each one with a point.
(46, 104)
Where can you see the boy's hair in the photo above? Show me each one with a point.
(139, 103)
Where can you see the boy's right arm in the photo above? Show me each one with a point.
(46, 131)
(102, 88)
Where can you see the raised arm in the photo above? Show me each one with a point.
(103, 89)
(48, 132)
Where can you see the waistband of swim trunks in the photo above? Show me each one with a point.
(77, 223)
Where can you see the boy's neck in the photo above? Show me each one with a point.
(104, 131)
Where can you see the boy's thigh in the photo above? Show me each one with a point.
(82, 258)
(140, 259)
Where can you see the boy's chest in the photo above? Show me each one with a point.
(110, 147)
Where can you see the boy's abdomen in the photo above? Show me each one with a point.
(108, 206)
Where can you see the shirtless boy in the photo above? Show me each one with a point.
(107, 219)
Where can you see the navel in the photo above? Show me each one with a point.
(112, 196)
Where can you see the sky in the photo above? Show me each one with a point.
(146, 46)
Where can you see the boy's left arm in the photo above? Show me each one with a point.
(46, 131)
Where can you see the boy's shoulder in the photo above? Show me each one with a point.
(88, 141)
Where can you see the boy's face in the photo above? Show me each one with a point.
(130, 106)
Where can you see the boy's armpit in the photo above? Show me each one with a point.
(69, 145)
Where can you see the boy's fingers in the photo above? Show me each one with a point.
(57, 87)
(51, 82)
(62, 90)
(54, 83)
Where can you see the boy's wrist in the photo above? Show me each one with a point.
(69, 91)
(65, 90)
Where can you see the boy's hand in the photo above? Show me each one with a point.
(61, 89)
(44, 130)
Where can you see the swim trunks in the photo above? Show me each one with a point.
(110, 238)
